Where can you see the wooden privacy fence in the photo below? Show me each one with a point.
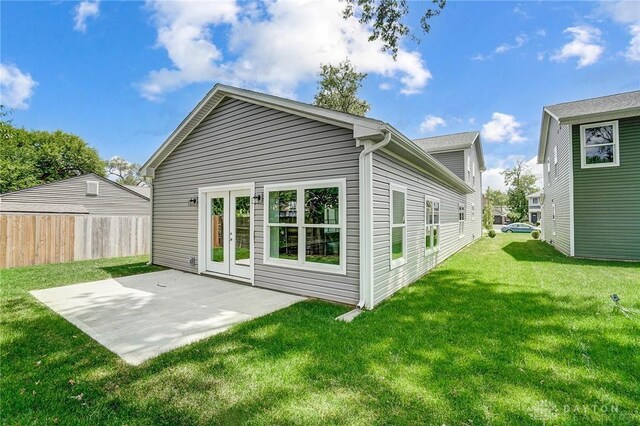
(38, 239)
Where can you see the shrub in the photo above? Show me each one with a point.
(538, 223)
(492, 233)
(535, 234)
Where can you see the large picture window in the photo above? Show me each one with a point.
(398, 225)
(305, 225)
(432, 224)
(599, 145)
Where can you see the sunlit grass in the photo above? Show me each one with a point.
(508, 331)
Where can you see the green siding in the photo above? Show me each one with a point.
(607, 200)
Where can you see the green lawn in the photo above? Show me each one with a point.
(501, 333)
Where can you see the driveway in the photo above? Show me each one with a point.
(141, 316)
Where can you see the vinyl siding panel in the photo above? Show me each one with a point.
(386, 170)
(453, 160)
(112, 200)
(607, 200)
(240, 142)
(557, 188)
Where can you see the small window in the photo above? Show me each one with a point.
(473, 211)
(92, 188)
(473, 170)
(461, 219)
(398, 225)
(432, 224)
(553, 217)
(305, 225)
(599, 145)
(549, 169)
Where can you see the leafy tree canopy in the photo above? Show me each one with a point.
(126, 173)
(521, 182)
(386, 18)
(338, 89)
(497, 197)
(33, 157)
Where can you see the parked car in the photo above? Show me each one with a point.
(519, 227)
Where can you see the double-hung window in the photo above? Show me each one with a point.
(599, 145)
(473, 211)
(432, 224)
(398, 225)
(461, 218)
(473, 171)
(305, 225)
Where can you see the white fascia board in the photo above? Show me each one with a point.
(544, 131)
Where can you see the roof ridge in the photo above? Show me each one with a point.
(592, 99)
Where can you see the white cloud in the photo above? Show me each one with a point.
(492, 177)
(518, 10)
(585, 45)
(16, 87)
(472, 120)
(385, 86)
(633, 51)
(85, 10)
(275, 46)
(541, 32)
(430, 123)
(479, 57)
(502, 128)
(622, 11)
(540, 56)
(505, 47)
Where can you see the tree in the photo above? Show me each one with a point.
(126, 173)
(386, 19)
(338, 89)
(34, 157)
(521, 182)
(487, 213)
(497, 197)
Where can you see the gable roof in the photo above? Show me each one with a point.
(363, 129)
(453, 142)
(145, 191)
(93, 175)
(604, 108)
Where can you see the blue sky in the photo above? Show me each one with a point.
(122, 75)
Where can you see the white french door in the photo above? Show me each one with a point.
(228, 230)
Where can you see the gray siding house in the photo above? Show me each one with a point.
(590, 151)
(89, 194)
(301, 199)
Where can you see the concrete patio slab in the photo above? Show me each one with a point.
(141, 316)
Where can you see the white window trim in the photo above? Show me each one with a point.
(616, 146)
(340, 269)
(431, 250)
(394, 263)
(461, 205)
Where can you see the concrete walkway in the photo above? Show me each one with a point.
(141, 316)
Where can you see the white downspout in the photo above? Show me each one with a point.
(151, 222)
(365, 167)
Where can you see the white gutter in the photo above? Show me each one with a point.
(365, 167)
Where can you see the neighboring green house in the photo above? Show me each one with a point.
(590, 150)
